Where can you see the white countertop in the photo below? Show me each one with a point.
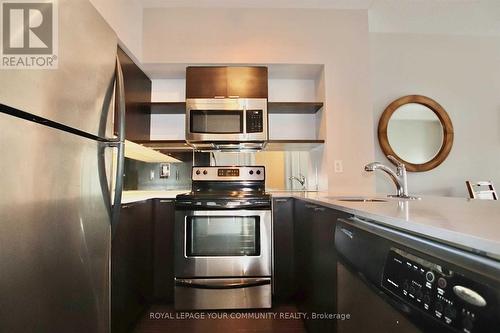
(473, 225)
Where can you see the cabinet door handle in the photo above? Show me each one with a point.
(310, 206)
(319, 209)
(166, 201)
(219, 96)
(280, 200)
(233, 96)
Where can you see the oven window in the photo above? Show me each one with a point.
(223, 236)
(216, 121)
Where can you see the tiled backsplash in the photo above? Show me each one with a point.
(146, 176)
(280, 166)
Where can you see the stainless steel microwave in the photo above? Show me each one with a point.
(227, 123)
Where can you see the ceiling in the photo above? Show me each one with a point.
(449, 17)
(332, 4)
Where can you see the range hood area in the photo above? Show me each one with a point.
(228, 146)
(226, 108)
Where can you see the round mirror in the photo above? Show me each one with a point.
(417, 131)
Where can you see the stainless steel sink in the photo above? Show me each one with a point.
(357, 199)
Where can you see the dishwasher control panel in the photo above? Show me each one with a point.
(457, 301)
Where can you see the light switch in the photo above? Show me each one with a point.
(151, 175)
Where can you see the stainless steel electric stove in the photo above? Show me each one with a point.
(223, 240)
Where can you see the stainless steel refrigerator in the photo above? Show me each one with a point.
(56, 181)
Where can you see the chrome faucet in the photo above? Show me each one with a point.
(301, 179)
(398, 177)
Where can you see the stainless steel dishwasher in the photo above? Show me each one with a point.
(391, 281)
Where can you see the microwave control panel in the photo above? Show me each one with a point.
(255, 121)
(460, 303)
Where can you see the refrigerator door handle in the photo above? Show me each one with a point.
(119, 143)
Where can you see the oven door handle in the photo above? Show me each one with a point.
(221, 284)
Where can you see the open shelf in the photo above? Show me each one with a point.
(274, 107)
(293, 145)
(272, 145)
(294, 107)
(168, 107)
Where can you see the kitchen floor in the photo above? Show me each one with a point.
(163, 318)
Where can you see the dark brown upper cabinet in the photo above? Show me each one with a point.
(248, 82)
(226, 82)
(137, 99)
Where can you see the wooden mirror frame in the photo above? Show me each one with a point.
(438, 111)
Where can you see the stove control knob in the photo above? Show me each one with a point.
(205, 172)
(258, 172)
(251, 172)
(198, 172)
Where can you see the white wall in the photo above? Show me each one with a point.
(125, 17)
(168, 127)
(443, 17)
(449, 51)
(337, 39)
(462, 73)
(292, 90)
(171, 90)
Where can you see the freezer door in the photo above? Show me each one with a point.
(54, 231)
(79, 93)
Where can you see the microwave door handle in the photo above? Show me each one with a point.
(221, 284)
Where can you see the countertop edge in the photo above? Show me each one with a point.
(458, 240)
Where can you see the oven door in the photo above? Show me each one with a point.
(223, 243)
(226, 120)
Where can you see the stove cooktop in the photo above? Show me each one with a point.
(226, 195)
(226, 187)
(223, 200)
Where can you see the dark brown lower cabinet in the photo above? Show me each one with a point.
(284, 271)
(316, 263)
(163, 249)
(131, 265)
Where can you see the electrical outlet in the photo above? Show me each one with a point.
(151, 175)
(337, 166)
(164, 170)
